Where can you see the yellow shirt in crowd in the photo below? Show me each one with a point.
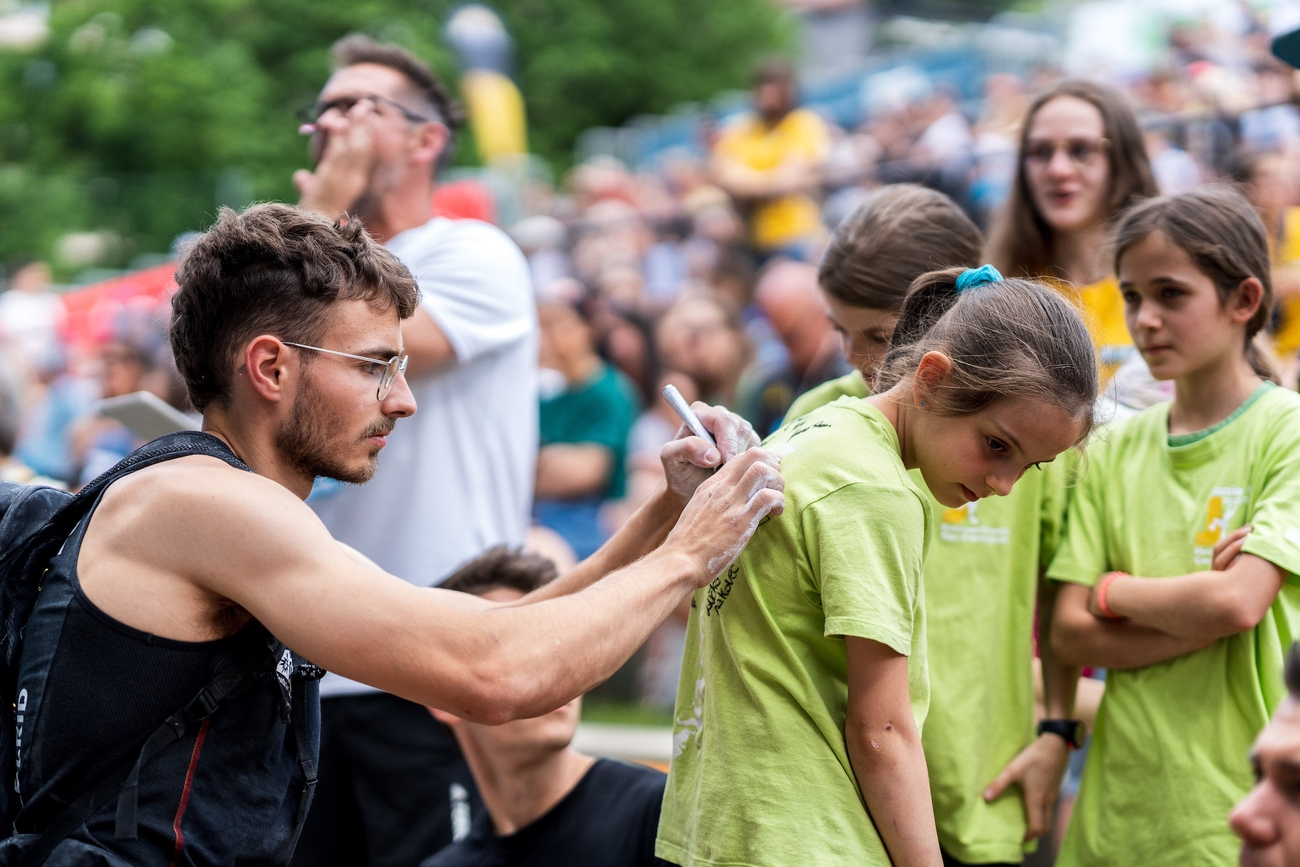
(1102, 307)
(800, 134)
(1286, 339)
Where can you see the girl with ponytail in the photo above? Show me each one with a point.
(994, 774)
(1181, 551)
(804, 684)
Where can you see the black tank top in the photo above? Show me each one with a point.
(91, 690)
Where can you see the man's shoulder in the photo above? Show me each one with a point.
(440, 236)
(195, 488)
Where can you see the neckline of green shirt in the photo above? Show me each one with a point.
(1187, 439)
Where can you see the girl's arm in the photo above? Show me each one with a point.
(885, 750)
(1080, 638)
(1230, 598)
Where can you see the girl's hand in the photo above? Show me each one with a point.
(1038, 770)
(1228, 549)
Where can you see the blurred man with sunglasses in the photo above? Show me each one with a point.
(458, 478)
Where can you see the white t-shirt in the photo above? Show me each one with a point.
(456, 477)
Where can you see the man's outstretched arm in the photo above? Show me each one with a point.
(259, 547)
(688, 461)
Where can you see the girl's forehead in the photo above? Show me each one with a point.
(1067, 116)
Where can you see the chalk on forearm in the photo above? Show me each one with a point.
(683, 409)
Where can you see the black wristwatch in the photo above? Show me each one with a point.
(1072, 731)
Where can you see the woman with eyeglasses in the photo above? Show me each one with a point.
(1082, 163)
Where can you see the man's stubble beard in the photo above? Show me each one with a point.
(308, 442)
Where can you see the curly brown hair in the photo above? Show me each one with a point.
(272, 269)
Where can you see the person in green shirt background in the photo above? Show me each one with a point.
(584, 416)
(1182, 545)
(987, 556)
(804, 689)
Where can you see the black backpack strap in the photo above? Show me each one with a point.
(233, 671)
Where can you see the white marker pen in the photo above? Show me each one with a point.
(679, 405)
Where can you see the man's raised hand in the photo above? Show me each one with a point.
(726, 509)
(345, 165)
(689, 460)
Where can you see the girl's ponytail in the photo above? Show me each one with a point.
(928, 299)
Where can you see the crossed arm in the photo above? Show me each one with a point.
(1166, 617)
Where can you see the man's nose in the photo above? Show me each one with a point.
(1252, 819)
(399, 402)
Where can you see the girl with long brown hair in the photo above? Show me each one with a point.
(1082, 163)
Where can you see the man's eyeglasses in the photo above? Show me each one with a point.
(311, 114)
(392, 367)
(1081, 151)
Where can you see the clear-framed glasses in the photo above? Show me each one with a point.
(1081, 151)
(311, 114)
(392, 367)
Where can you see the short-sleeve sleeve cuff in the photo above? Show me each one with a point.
(852, 627)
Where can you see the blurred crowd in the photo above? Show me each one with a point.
(699, 269)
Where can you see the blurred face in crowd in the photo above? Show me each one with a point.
(336, 426)
(123, 366)
(520, 741)
(1174, 312)
(788, 295)
(566, 341)
(774, 99)
(864, 333)
(395, 139)
(1268, 820)
(1273, 185)
(695, 336)
(1066, 164)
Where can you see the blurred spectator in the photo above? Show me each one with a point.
(547, 804)
(1082, 162)
(99, 442)
(1270, 182)
(584, 425)
(788, 297)
(770, 163)
(1174, 168)
(31, 316)
(456, 478)
(702, 337)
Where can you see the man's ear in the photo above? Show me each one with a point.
(1246, 300)
(447, 719)
(932, 373)
(266, 362)
(431, 140)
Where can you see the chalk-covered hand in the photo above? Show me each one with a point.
(1037, 770)
(689, 460)
(345, 164)
(726, 510)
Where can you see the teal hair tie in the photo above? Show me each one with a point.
(974, 277)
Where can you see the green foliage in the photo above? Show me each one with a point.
(141, 117)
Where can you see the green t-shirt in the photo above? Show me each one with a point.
(851, 384)
(761, 773)
(1168, 756)
(984, 557)
(600, 411)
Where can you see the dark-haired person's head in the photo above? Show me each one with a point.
(995, 375)
(897, 234)
(416, 116)
(774, 89)
(271, 303)
(1268, 819)
(1082, 162)
(505, 575)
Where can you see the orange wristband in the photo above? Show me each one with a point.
(1103, 588)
